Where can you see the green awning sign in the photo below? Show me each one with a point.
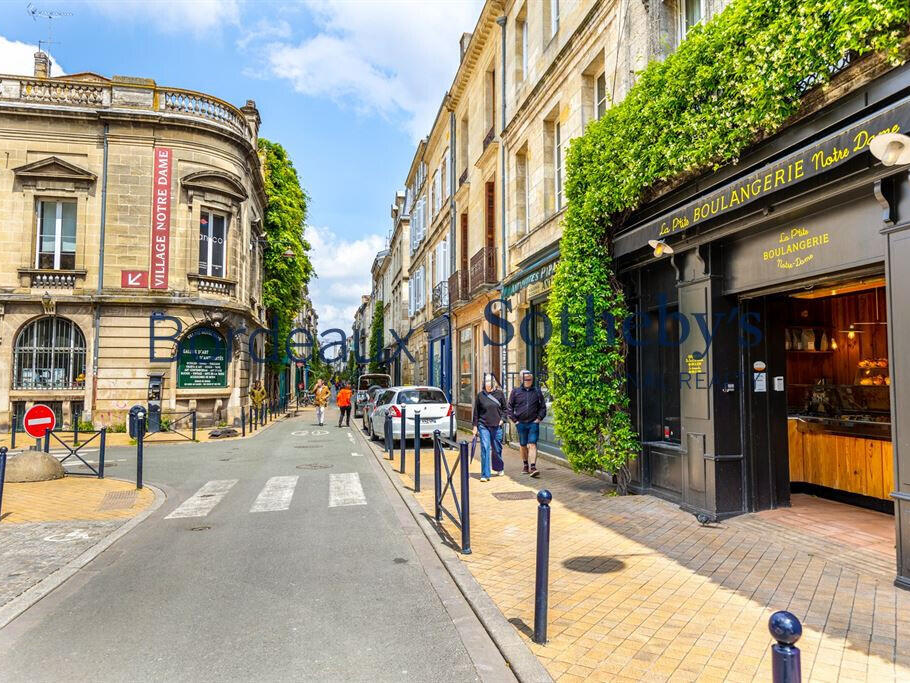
(543, 273)
(202, 361)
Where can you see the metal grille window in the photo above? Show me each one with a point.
(56, 247)
(211, 244)
(50, 354)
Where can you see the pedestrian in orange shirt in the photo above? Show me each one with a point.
(343, 400)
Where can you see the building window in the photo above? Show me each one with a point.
(524, 50)
(50, 354)
(558, 189)
(690, 15)
(661, 354)
(465, 366)
(211, 243)
(490, 113)
(56, 249)
(523, 193)
(551, 20)
(600, 95)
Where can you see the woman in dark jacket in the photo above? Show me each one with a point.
(489, 416)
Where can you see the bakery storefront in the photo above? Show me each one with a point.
(771, 360)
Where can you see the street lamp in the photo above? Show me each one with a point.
(891, 148)
(289, 253)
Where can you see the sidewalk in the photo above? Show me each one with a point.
(45, 525)
(640, 591)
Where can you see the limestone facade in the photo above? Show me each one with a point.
(82, 168)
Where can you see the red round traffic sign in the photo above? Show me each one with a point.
(38, 419)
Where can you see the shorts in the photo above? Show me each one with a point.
(527, 432)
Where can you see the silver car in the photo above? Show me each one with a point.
(435, 412)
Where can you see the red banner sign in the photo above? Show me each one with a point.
(134, 279)
(161, 217)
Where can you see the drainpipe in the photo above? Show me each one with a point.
(97, 311)
(452, 223)
(504, 349)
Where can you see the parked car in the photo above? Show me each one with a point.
(366, 382)
(369, 405)
(435, 412)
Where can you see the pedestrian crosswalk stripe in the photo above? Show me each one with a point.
(204, 500)
(276, 495)
(345, 489)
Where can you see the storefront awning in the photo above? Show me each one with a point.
(541, 269)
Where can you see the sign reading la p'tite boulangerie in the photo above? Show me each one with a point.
(161, 217)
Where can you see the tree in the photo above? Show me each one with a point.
(376, 332)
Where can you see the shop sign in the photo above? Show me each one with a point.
(201, 360)
(163, 162)
(541, 275)
(823, 156)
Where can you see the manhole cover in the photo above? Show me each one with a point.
(514, 495)
(118, 500)
(200, 528)
(313, 466)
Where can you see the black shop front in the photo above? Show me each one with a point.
(773, 329)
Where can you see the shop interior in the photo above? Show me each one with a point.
(838, 411)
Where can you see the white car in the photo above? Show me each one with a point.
(435, 412)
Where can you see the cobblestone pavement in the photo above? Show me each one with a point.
(640, 591)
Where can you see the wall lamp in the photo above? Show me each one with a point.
(660, 248)
(892, 149)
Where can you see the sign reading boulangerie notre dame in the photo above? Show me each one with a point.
(161, 217)
(201, 361)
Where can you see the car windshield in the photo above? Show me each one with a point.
(416, 396)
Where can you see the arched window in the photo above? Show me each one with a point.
(49, 354)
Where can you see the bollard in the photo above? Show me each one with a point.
(387, 432)
(140, 435)
(101, 447)
(194, 425)
(786, 630)
(242, 421)
(437, 476)
(12, 444)
(404, 432)
(416, 452)
(541, 589)
(75, 431)
(465, 500)
(2, 476)
(47, 440)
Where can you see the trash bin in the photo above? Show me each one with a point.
(133, 421)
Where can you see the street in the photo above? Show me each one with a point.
(281, 557)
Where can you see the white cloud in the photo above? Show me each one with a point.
(19, 58)
(343, 274)
(392, 58)
(173, 16)
(264, 30)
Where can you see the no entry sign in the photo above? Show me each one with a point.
(38, 419)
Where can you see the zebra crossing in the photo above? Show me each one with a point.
(344, 490)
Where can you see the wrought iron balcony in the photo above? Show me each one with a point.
(483, 269)
(458, 286)
(440, 297)
(463, 178)
(489, 138)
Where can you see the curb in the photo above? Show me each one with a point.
(48, 584)
(524, 663)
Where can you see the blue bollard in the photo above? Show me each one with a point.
(541, 580)
(242, 421)
(437, 476)
(404, 431)
(416, 452)
(786, 630)
(140, 435)
(102, 447)
(387, 432)
(465, 499)
(12, 444)
(2, 476)
(47, 440)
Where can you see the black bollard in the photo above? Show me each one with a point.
(541, 588)
(2, 475)
(242, 421)
(75, 431)
(47, 440)
(101, 449)
(416, 452)
(140, 436)
(12, 444)
(404, 432)
(194, 425)
(437, 476)
(387, 432)
(465, 499)
(786, 630)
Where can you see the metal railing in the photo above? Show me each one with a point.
(461, 517)
(440, 296)
(483, 268)
(75, 448)
(171, 428)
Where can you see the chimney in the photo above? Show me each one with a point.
(42, 65)
(463, 43)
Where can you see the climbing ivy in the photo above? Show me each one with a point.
(285, 279)
(732, 82)
(376, 332)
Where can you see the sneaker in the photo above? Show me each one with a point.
(534, 471)
(484, 479)
(499, 473)
(524, 469)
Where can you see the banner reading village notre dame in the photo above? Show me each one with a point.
(161, 217)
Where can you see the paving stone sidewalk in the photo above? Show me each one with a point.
(640, 591)
(44, 525)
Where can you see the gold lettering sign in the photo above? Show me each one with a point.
(795, 248)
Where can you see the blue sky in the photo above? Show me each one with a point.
(348, 87)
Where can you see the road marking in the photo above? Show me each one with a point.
(345, 489)
(276, 495)
(357, 455)
(204, 500)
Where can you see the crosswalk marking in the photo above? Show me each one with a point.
(204, 500)
(345, 489)
(276, 495)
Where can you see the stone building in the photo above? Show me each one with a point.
(123, 200)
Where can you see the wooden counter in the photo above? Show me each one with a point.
(863, 466)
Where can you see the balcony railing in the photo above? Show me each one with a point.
(463, 177)
(483, 268)
(458, 286)
(51, 279)
(440, 296)
(489, 138)
(204, 284)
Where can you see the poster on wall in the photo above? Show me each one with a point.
(202, 361)
(163, 162)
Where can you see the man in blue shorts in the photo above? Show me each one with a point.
(526, 408)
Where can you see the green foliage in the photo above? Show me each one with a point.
(378, 327)
(731, 83)
(85, 425)
(119, 428)
(285, 279)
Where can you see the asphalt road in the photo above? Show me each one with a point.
(246, 573)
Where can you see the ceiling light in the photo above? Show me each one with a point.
(660, 247)
(891, 148)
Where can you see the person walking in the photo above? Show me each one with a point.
(343, 400)
(257, 397)
(489, 416)
(321, 399)
(526, 408)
